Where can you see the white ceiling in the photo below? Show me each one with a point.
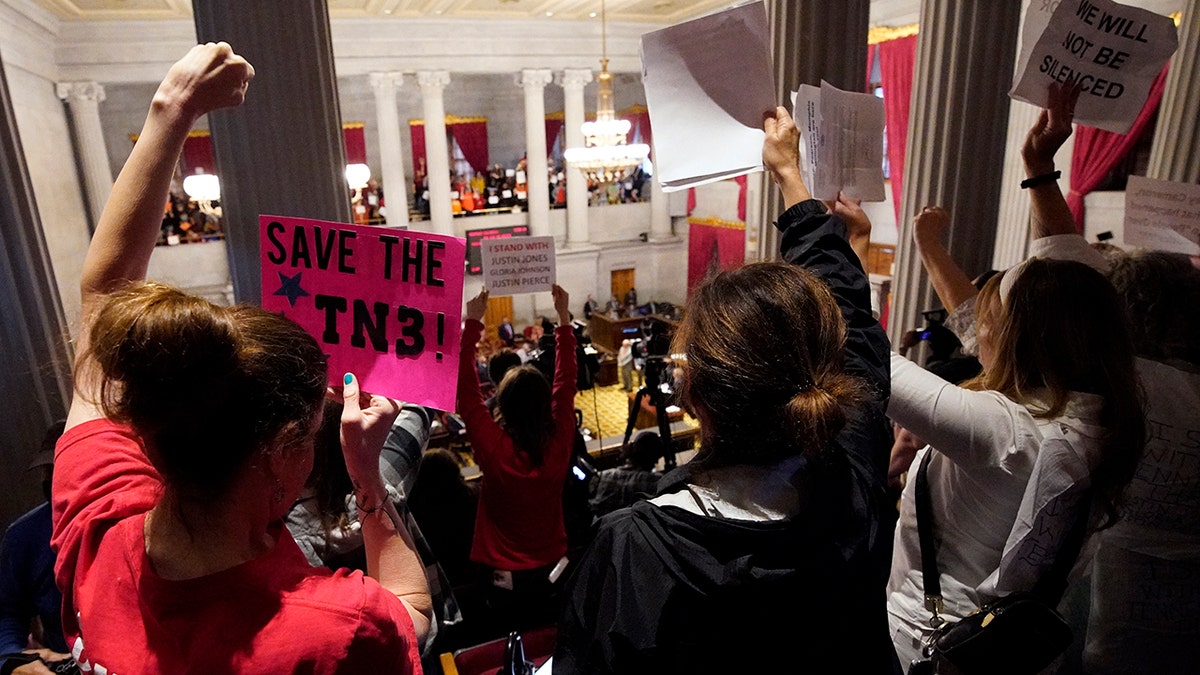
(883, 12)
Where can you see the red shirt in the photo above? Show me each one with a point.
(519, 524)
(273, 614)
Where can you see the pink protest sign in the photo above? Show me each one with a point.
(384, 304)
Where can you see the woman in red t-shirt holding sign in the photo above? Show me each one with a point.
(172, 556)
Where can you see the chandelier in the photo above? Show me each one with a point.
(605, 157)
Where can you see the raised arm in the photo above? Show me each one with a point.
(814, 239)
(209, 77)
(392, 557)
(1049, 214)
(951, 284)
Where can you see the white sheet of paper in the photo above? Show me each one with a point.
(1162, 215)
(708, 83)
(1115, 51)
(841, 139)
(518, 265)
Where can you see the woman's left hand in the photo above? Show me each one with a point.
(477, 306)
(366, 421)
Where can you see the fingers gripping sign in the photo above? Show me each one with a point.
(366, 420)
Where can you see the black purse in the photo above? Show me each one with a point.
(1017, 634)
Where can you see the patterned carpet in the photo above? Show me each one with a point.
(610, 406)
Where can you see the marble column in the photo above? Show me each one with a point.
(36, 356)
(437, 150)
(804, 53)
(1175, 151)
(391, 150)
(660, 213)
(83, 99)
(534, 82)
(956, 140)
(573, 81)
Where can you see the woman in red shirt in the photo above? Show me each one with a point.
(168, 521)
(524, 452)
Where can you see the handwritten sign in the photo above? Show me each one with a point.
(841, 140)
(384, 304)
(1111, 51)
(1162, 215)
(518, 265)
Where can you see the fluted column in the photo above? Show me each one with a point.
(35, 357)
(806, 51)
(573, 81)
(298, 166)
(956, 139)
(391, 152)
(437, 151)
(83, 99)
(538, 190)
(660, 212)
(1175, 151)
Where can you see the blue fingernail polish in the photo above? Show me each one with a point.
(348, 379)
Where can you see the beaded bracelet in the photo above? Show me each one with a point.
(1039, 180)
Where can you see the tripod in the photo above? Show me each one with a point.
(654, 369)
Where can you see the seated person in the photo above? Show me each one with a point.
(633, 481)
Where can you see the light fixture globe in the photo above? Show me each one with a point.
(202, 187)
(357, 176)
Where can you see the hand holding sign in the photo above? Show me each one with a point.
(1051, 130)
(477, 306)
(562, 301)
(366, 421)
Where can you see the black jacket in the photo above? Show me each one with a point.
(664, 590)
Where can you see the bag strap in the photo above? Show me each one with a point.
(1050, 587)
(931, 580)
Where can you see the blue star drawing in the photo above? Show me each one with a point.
(290, 287)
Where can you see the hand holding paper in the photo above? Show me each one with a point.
(781, 155)
(477, 306)
(1052, 129)
(366, 421)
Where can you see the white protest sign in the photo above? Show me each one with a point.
(841, 140)
(518, 265)
(1111, 51)
(708, 83)
(1162, 215)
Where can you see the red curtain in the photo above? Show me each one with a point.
(554, 126)
(473, 141)
(356, 146)
(1098, 151)
(713, 249)
(896, 62)
(198, 154)
(417, 133)
(639, 123)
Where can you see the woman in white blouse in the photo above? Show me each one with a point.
(1052, 425)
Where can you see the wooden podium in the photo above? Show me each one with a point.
(608, 333)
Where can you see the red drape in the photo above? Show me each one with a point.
(639, 124)
(1098, 151)
(713, 249)
(417, 133)
(198, 154)
(473, 141)
(554, 126)
(356, 146)
(896, 62)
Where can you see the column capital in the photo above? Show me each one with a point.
(384, 82)
(535, 78)
(80, 91)
(433, 80)
(574, 78)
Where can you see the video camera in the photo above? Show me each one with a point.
(587, 363)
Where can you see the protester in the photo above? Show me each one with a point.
(168, 524)
(1051, 427)
(635, 479)
(524, 452)
(781, 520)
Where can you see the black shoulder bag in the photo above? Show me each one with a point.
(1019, 633)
